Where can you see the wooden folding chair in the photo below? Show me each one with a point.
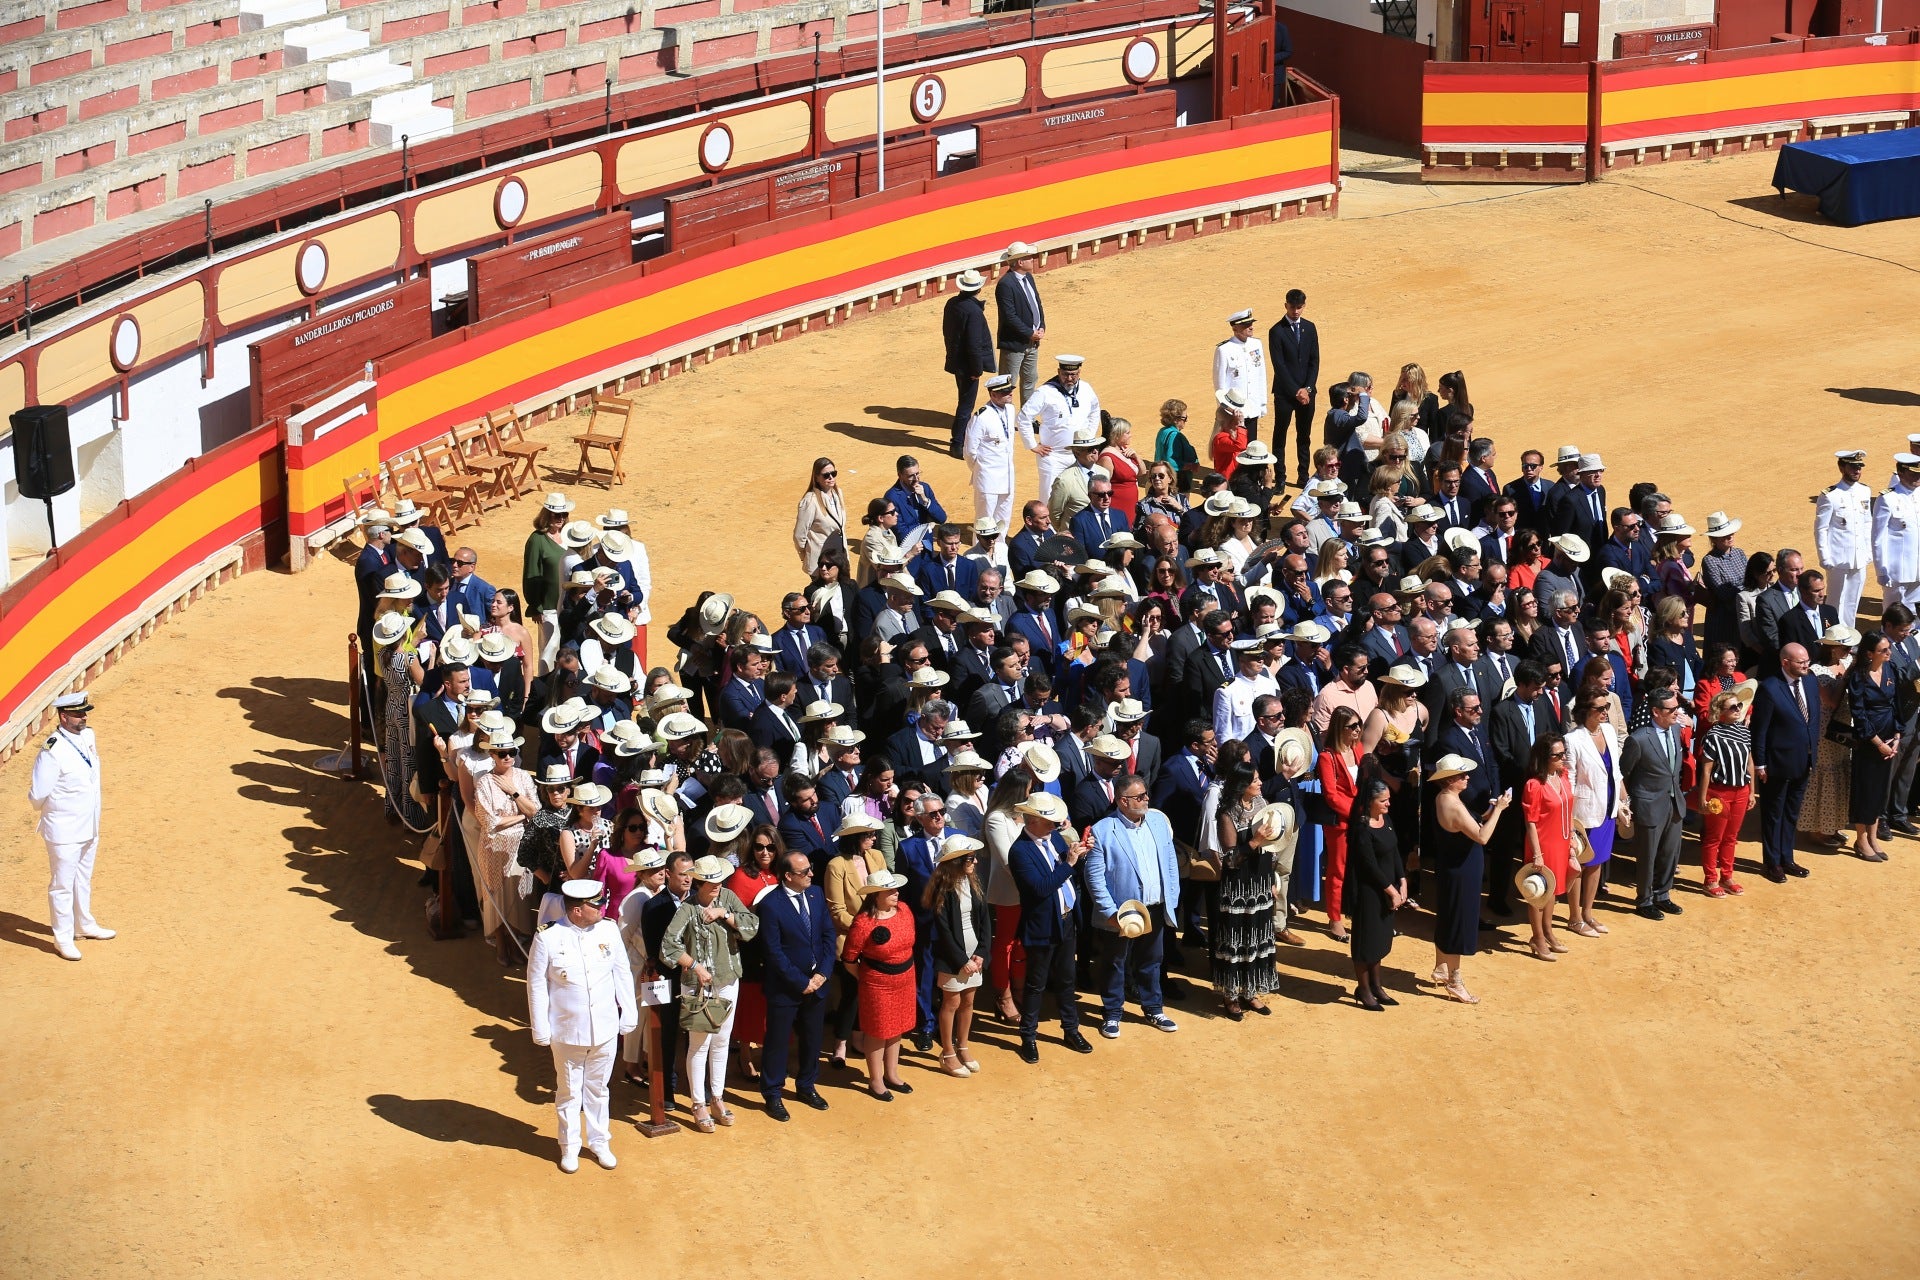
(607, 430)
(442, 464)
(363, 491)
(511, 442)
(475, 445)
(410, 479)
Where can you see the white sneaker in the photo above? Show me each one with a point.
(569, 1162)
(96, 932)
(66, 948)
(604, 1154)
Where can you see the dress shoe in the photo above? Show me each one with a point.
(1881, 830)
(880, 1097)
(604, 1156)
(1903, 826)
(1029, 1051)
(66, 948)
(1671, 908)
(1076, 1042)
(1384, 998)
(97, 933)
(923, 1042)
(899, 1088)
(813, 1099)
(1650, 913)
(1797, 871)
(1774, 874)
(777, 1110)
(570, 1162)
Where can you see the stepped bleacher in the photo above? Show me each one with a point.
(127, 111)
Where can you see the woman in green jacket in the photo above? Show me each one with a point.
(703, 940)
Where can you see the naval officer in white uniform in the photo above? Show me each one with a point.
(1843, 533)
(988, 449)
(1896, 533)
(1062, 406)
(580, 998)
(65, 791)
(1240, 364)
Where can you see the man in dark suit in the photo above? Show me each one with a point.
(1464, 734)
(442, 714)
(969, 349)
(746, 691)
(1560, 635)
(1208, 668)
(1093, 798)
(843, 779)
(1457, 667)
(822, 681)
(654, 919)
(436, 606)
(1566, 466)
(1042, 863)
(1478, 484)
(791, 642)
(1099, 519)
(797, 941)
(916, 749)
(942, 635)
(1293, 344)
(807, 826)
(772, 724)
(1023, 547)
(1785, 728)
(1503, 520)
(944, 568)
(1584, 511)
(1773, 604)
(1529, 492)
(1512, 729)
(1022, 319)
(1384, 641)
(1804, 622)
(1650, 763)
(973, 666)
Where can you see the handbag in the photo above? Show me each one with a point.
(700, 1009)
(1840, 733)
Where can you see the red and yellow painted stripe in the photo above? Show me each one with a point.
(629, 323)
(105, 576)
(1537, 105)
(1659, 101)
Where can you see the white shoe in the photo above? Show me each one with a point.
(66, 948)
(570, 1162)
(96, 932)
(604, 1154)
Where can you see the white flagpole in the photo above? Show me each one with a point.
(880, 90)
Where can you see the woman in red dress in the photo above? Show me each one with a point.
(879, 950)
(1125, 467)
(754, 877)
(1229, 437)
(1547, 806)
(1339, 783)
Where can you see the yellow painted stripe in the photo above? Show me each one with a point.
(1740, 92)
(76, 608)
(308, 488)
(549, 349)
(1504, 108)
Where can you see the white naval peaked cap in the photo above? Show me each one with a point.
(1069, 362)
(1906, 459)
(583, 890)
(1243, 316)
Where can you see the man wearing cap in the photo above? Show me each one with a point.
(1021, 319)
(988, 449)
(1295, 344)
(1240, 364)
(1063, 412)
(580, 1000)
(1232, 709)
(1132, 860)
(1583, 512)
(65, 791)
(1042, 861)
(1896, 533)
(969, 348)
(1843, 533)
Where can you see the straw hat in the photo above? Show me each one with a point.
(1572, 546)
(902, 583)
(558, 503)
(558, 720)
(1451, 766)
(457, 651)
(1591, 462)
(1255, 455)
(928, 678)
(712, 870)
(1568, 453)
(820, 709)
(949, 602)
(495, 647)
(676, 726)
(986, 527)
(958, 847)
(503, 739)
(1123, 541)
(1460, 539)
(1744, 692)
(612, 628)
(965, 761)
(1086, 437)
(1309, 632)
(1835, 634)
(842, 735)
(1041, 761)
(1220, 504)
(970, 281)
(1205, 558)
(714, 612)
(576, 535)
(650, 859)
(1615, 579)
(1045, 806)
(388, 628)
(1406, 675)
(659, 806)
(1293, 752)
(626, 731)
(1411, 585)
(1674, 525)
(1017, 250)
(616, 546)
(1108, 747)
(398, 586)
(580, 579)
(611, 679)
(857, 823)
(1720, 525)
(1036, 581)
(1131, 919)
(667, 695)
(1426, 513)
(1231, 399)
(417, 540)
(958, 731)
(1279, 818)
(1128, 711)
(883, 882)
(1534, 885)
(727, 822)
(555, 775)
(373, 516)
(590, 795)
(613, 519)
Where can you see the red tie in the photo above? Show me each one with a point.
(1395, 637)
(817, 830)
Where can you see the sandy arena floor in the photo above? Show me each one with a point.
(274, 1071)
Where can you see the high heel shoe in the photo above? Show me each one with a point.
(1460, 993)
(957, 1068)
(967, 1060)
(1540, 952)
(1384, 998)
(1367, 1002)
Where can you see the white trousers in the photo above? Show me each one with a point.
(1050, 468)
(707, 1053)
(70, 886)
(1906, 593)
(993, 506)
(1843, 588)
(549, 640)
(581, 1073)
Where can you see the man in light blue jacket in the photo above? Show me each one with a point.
(1132, 864)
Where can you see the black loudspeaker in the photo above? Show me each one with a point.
(42, 454)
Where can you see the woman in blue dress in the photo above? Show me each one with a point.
(1593, 758)
(1459, 849)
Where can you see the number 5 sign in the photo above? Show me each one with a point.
(929, 96)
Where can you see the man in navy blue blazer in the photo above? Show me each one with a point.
(1529, 492)
(1042, 862)
(913, 498)
(435, 605)
(807, 826)
(791, 642)
(944, 568)
(470, 593)
(745, 691)
(1023, 548)
(1784, 745)
(1099, 519)
(797, 940)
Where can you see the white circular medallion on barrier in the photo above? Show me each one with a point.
(123, 345)
(1141, 60)
(510, 203)
(928, 99)
(716, 147)
(310, 267)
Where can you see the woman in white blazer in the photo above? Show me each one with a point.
(822, 515)
(1599, 797)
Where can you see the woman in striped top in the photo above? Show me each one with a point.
(1725, 758)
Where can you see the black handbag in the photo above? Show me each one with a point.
(1840, 733)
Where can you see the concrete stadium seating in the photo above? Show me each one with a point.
(122, 108)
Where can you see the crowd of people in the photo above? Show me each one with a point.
(1178, 715)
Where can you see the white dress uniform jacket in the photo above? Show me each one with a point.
(1843, 539)
(1896, 542)
(1057, 415)
(65, 789)
(988, 450)
(1240, 364)
(580, 986)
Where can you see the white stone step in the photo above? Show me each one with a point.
(320, 41)
(413, 101)
(258, 15)
(351, 77)
(418, 127)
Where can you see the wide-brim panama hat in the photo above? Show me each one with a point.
(1534, 885)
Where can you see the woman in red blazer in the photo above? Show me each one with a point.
(1339, 783)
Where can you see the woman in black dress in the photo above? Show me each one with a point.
(1459, 852)
(1876, 737)
(1376, 888)
(1241, 939)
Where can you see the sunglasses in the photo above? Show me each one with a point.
(828, 475)
(761, 846)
